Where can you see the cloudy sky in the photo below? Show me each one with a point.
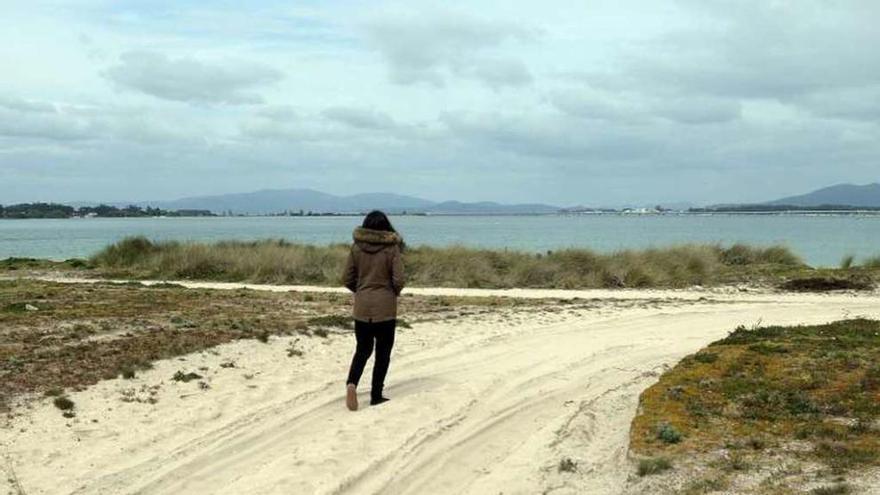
(567, 102)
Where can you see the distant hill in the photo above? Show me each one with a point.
(840, 195)
(281, 200)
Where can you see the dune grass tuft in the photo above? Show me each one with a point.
(653, 465)
(279, 261)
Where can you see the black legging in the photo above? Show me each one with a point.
(383, 333)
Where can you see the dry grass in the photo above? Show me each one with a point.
(809, 393)
(276, 261)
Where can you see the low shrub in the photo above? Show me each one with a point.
(180, 376)
(566, 465)
(825, 284)
(64, 403)
(653, 465)
(668, 434)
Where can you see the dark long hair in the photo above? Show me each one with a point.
(377, 220)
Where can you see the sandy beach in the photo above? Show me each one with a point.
(488, 403)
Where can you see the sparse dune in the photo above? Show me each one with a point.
(489, 403)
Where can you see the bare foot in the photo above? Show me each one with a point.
(351, 397)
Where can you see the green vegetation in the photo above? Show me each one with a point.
(180, 376)
(654, 465)
(766, 389)
(838, 489)
(566, 465)
(337, 321)
(705, 485)
(278, 261)
(668, 434)
(828, 283)
(53, 210)
(63, 403)
(36, 210)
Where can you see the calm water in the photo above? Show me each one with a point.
(820, 240)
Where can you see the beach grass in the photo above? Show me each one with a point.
(810, 394)
(282, 262)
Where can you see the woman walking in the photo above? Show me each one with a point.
(374, 272)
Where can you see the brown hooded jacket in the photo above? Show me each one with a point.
(374, 272)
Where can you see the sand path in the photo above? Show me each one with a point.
(482, 404)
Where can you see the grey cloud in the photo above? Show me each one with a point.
(22, 105)
(191, 80)
(72, 124)
(785, 51)
(587, 103)
(630, 107)
(360, 118)
(496, 73)
(278, 113)
(43, 125)
(698, 110)
(862, 104)
(551, 137)
(421, 49)
(765, 50)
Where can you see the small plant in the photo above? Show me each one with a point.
(847, 262)
(82, 330)
(54, 392)
(227, 364)
(756, 443)
(16, 307)
(653, 465)
(676, 392)
(706, 485)
(127, 372)
(180, 376)
(321, 332)
(181, 322)
(263, 337)
(768, 348)
(838, 489)
(293, 351)
(566, 465)
(338, 321)
(668, 434)
(706, 357)
(871, 380)
(736, 462)
(63, 403)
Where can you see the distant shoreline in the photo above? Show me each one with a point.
(61, 211)
(800, 213)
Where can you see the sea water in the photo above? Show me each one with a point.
(821, 240)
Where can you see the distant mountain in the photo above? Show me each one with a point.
(281, 200)
(840, 195)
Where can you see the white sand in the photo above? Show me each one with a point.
(482, 404)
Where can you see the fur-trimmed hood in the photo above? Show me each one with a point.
(374, 240)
